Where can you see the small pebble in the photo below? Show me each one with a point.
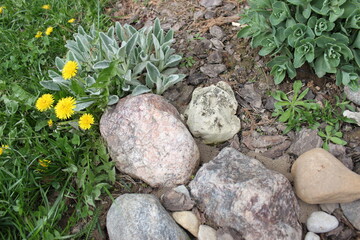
(311, 236)
(206, 233)
(321, 222)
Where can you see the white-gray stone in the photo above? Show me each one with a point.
(352, 212)
(352, 115)
(211, 113)
(353, 96)
(141, 216)
(148, 140)
(206, 233)
(238, 192)
(210, 3)
(321, 222)
(187, 220)
(311, 236)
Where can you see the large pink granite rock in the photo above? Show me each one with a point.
(238, 192)
(147, 140)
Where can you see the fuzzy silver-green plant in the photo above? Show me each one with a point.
(120, 61)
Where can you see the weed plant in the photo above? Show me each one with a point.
(47, 172)
(297, 112)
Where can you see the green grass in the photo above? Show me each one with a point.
(39, 202)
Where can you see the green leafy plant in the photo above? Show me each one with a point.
(331, 134)
(325, 34)
(295, 111)
(188, 62)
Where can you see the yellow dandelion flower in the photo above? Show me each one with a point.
(86, 121)
(71, 20)
(44, 163)
(2, 9)
(49, 30)
(70, 69)
(2, 148)
(44, 102)
(38, 34)
(50, 123)
(46, 7)
(64, 109)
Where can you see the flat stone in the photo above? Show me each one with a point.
(264, 141)
(251, 95)
(209, 14)
(206, 233)
(210, 3)
(321, 222)
(211, 113)
(352, 212)
(217, 43)
(138, 132)
(311, 236)
(197, 78)
(215, 57)
(321, 178)
(277, 150)
(236, 191)
(329, 207)
(141, 216)
(305, 140)
(213, 70)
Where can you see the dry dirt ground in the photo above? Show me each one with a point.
(191, 23)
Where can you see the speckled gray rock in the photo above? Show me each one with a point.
(211, 113)
(321, 222)
(305, 140)
(353, 96)
(237, 191)
(210, 3)
(147, 140)
(352, 212)
(311, 236)
(141, 216)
